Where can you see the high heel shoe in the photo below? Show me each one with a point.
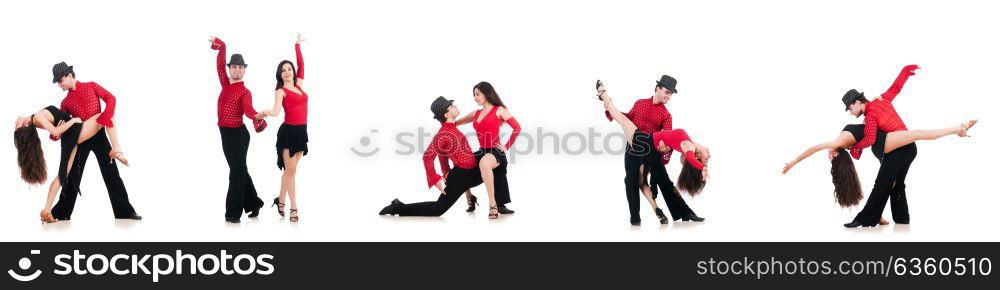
(493, 213)
(281, 207)
(599, 93)
(473, 202)
(293, 215)
(663, 218)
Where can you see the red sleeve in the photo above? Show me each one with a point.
(220, 61)
(246, 99)
(897, 85)
(109, 105)
(429, 154)
(513, 135)
(693, 160)
(871, 128)
(298, 59)
(445, 167)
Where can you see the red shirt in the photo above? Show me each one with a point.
(295, 104)
(880, 115)
(83, 102)
(488, 129)
(235, 101)
(448, 143)
(650, 118)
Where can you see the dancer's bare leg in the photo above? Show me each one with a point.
(90, 128)
(894, 140)
(486, 166)
(288, 183)
(627, 126)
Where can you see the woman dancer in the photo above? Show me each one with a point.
(292, 135)
(694, 171)
(492, 155)
(59, 124)
(847, 187)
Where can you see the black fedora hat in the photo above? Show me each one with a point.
(236, 59)
(60, 70)
(668, 82)
(850, 97)
(440, 106)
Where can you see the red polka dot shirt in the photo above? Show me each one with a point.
(449, 144)
(650, 118)
(880, 115)
(235, 101)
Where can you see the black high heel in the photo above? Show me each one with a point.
(663, 218)
(281, 207)
(599, 93)
(473, 202)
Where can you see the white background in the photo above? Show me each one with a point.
(759, 81)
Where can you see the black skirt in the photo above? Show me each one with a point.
(293, 138)
(500, 187)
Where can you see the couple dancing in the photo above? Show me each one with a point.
(82, 128)
(892, 144)
(651, 139)
(488, 165)
(235, 101)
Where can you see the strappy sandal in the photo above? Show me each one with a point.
(600, 92)
(494, 215)
(473, 202)
(281, 207)
(293, 215)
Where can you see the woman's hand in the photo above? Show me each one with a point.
(260, 115)
(299, 39)
(76, 121)
(704, 174)
(833, 153)
(788, 166)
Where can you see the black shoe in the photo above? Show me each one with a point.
(635, 223)
(256, 212)
(691, 217)
(502, 209)
(902, 222)
(472, 204)
(133, 216)
(232, 220)
(663, 218)
(392, 208)
(854, 224)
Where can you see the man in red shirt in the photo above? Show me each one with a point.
(83, 101)
(651, 116)
(890, 185)
(448, 144)
(235, 101)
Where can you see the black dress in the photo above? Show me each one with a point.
(858, 130)
(68, 141)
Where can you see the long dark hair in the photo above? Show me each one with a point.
(690, 180)
(491, 94)
(29, 155)
(846, 186)
(277, 75)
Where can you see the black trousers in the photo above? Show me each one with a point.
(675, 203)
(890, 185)
(100, 146)
(459, 180)
(501, 191)
(241, 196)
